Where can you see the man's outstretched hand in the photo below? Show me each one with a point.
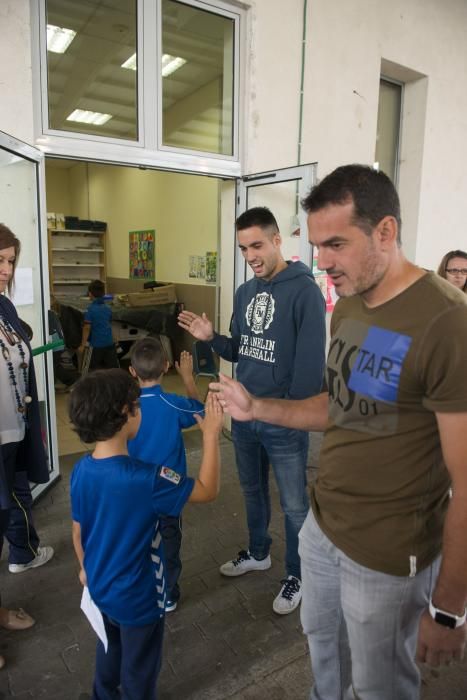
(200, 327)
(234, 398)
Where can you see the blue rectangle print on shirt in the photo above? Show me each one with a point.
(376, 371)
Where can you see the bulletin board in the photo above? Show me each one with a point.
(142, 254)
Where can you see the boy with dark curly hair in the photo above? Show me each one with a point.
(116, 505)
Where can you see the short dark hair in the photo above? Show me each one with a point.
(371, 191)
(96, 288)
(98, 401)
(445, 260)
(257, 216)
(9, 240)
(148, 358)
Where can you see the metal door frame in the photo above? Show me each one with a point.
(34, 155)
(305, 176)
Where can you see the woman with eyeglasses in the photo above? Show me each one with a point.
(453, 268)
(22, 454)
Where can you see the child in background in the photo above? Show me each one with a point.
(116, 501)
(97, 331)
(159, 439)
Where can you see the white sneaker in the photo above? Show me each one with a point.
(44, 554)
(243, 563)
(289, 597)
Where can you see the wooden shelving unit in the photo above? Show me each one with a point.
(75, 258)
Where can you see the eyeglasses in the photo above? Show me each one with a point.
(457, 271)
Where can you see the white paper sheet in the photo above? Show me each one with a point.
(23, 293)
(94, 616)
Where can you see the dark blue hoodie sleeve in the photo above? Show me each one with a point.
(308, 370)
(225, 346)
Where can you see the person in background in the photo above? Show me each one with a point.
(453, 267)
(97, 330)
(116, 506)
(277, 340)
(22, 448)
(159, 439)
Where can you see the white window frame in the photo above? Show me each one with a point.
(208, 7)
(148, 149)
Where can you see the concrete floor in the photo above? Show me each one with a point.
(223, 641)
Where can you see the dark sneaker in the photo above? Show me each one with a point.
(289, 596)
(244, 563)
(170, 606)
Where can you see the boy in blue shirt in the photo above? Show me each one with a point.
(159, 439)
(116, 502)
(97, 330)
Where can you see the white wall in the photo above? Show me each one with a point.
(346, 44)
(16, 112)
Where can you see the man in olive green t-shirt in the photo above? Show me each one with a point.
(392, 486)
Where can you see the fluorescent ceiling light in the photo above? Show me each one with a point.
(130, 63)
(85, 116)
(59, 38)
(171, 64)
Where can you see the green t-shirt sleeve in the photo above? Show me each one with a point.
(443, 362)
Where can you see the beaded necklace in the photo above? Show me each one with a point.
(13, 338)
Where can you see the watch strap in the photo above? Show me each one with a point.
(447, 619)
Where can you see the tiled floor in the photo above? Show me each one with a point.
(223, 641)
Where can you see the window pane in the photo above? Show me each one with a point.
(88, 73)
(283, 200)
(387, 137)
(197, 71)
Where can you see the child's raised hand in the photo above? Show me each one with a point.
(185, 366)
(213, 415)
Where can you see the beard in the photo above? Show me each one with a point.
(366, 279)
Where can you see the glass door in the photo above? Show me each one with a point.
(22, 206)
(281, 191)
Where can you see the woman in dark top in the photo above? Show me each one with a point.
(21, 445)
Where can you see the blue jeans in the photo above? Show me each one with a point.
(257, 445)
(349, 609)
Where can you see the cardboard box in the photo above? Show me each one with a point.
(150, 297)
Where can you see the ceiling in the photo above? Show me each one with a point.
(89, 74)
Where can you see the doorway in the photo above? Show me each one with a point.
(103, 206)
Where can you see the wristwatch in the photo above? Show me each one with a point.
(446, 619)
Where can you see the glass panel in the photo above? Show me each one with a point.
(282, 198)
(197, 71)
(387, 136)
(18, 204)
(88, 74)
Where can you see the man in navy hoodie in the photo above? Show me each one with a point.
(278, 342)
